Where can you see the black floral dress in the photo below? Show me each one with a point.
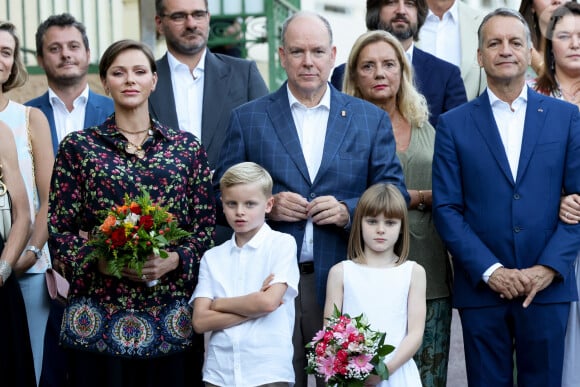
(93, 172)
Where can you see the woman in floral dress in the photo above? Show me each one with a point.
(121, 332)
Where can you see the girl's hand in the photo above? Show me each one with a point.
(372, 381)
(570, 209)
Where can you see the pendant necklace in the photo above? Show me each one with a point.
(134, 149)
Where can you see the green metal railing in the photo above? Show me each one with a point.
(260, 23)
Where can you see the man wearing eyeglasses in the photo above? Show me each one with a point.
(197, 90)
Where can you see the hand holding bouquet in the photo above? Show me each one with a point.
(347, 351)
(132, 232)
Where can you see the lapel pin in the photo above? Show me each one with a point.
(343, 113)
(540, 110)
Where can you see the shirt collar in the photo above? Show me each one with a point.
(452, 13)
(324, 101)
(82, 98)
(256, 241)
(409, 52)
(175, 64)
(494, 100)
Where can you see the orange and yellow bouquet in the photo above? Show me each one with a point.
(133, 231)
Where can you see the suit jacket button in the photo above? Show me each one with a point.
(312, 195)
(517, 229)
(516, 196)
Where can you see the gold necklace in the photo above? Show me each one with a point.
(134, 149)
(129, 132)
(137, 150)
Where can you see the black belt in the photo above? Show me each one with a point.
(306, 267)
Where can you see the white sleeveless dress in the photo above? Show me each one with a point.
(381, 294)
(571, 373)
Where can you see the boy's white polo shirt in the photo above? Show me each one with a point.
(258, 351)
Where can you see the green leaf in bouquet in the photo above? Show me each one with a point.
(382, 371)
(385, 350)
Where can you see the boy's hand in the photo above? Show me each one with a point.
(266, 284)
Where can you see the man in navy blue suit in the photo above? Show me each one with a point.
(439, 81)
(323, 149)
(501, 163)
(62, 50)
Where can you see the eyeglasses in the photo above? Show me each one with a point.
(181, 17)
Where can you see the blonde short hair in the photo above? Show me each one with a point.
(247, 173)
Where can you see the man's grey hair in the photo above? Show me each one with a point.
(506, 12)
(303, 13)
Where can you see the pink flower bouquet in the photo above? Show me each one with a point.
(347, 351)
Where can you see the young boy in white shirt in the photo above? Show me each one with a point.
(246, 289)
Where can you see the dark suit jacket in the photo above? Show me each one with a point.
(485, 217)
(98, 109)
(229, 82)
(359, 150)
(439, 81)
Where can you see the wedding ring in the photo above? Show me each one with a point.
(567, 215)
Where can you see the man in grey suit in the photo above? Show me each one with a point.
(197, 90)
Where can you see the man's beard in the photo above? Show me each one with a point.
(66, 79)
(400, 34)
(186, 49)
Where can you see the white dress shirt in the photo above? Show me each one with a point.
(67, 122)
(258, 351)
(188, 93)
(311, 127)
(441, 37)
(510, 123)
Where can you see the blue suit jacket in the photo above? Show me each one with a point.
(486, 217)
(97, 110)
(229, 82)
(439, 81)
(359, 150)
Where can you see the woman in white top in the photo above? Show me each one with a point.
(35, 158)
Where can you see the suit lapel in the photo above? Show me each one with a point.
(216, 74)
(534, 122)
(46, 108)
(162, 102)
(283, 123)
(482, 116)
(336, 129)
(92, 112)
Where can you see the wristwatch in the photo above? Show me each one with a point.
(35, 250)
(421, 206)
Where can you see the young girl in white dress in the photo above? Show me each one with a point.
(378, 281)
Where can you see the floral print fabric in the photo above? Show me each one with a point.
(92, 173)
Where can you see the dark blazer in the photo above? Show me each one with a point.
(439, 81)
(359, 150)
(485, 217)
(98, 109)
(229, 82)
